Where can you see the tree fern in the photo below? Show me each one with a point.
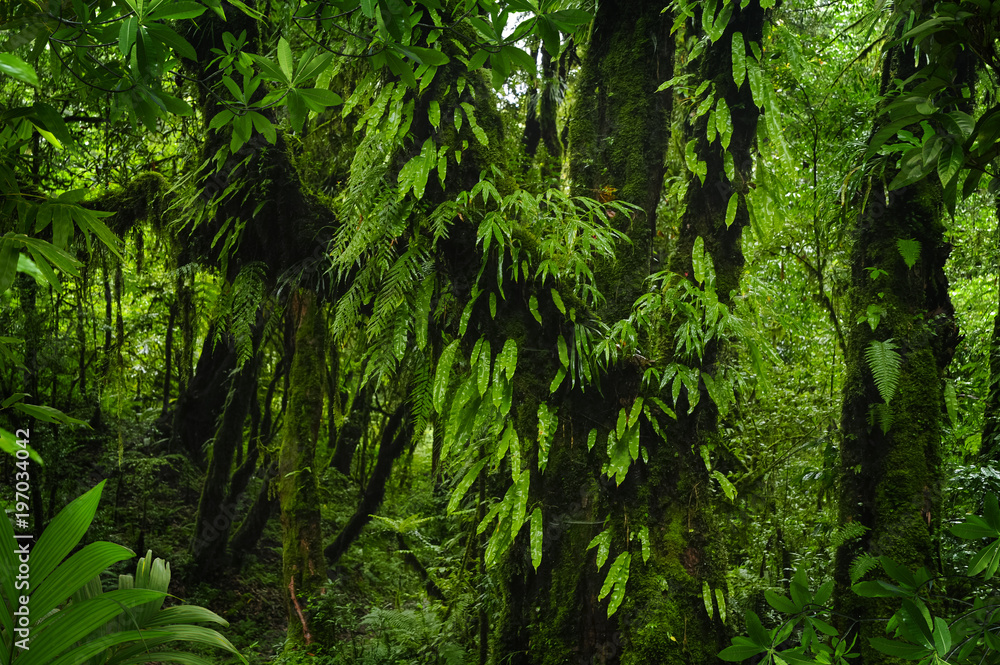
(885, 364)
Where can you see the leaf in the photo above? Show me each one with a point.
(950, 162)
(602, 542)
(8, 263)
(706, 597)
(483, 363)
(321, 97)
(617, 578)
(537, 534)
(724, 123)
(285, 60)
(740, 652)
(698, 259)
(176, 10)
(756, 630)
(644, 541)
(909, 250)
(442, 375)
(463, 485)
(899, 649)
(885, 364)
(951, 402)
(734, 201)
(780, 603)
(739, 60)
(13, 66)
(727, 487)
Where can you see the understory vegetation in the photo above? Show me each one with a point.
(508, 333)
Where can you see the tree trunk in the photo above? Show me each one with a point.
(216, 516)
(890, 456)
(303, 569)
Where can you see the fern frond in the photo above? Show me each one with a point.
(909, 250)
(862, 565)
(885, 364)
(847, 532)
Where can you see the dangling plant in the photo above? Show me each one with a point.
(38, 626)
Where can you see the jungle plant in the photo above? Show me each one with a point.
(125, 625)
(918, 630)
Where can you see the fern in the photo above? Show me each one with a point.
(885, 364)
(862, 565)
(847, 532)
(909, 250)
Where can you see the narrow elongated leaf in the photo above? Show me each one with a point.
(442, 375)
(739, 59)
(463, 485)
(537, 533)
(13, 66)
(8, 263)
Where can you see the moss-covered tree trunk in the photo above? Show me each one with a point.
(216, 516)
(303, 567)
(664, 618)
(617, 141)
(890, 455)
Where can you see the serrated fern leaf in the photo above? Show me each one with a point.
(885, 365)
(862, 565)
(847, 532)
(909, 250)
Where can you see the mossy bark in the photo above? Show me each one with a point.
(890, 455)
(617, 142)
(664, 618)
(303, 568)
(215, 516)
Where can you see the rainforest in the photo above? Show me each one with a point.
(499, 332)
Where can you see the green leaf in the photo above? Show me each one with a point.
(885, 364)
(463, 485)
(899, 649)
(951, 402)
(558, 302)
(8, 263)
(740, 652)
(756, 630)
(563, 351)
(176, 10)
(706, 597)
(644, 541)
(533, 307)
(724, 123)
(602, 542)
(442, 375)
(537, 533)
(264, 126)
(727, 487)
(739, 59)
(734, 201)
(321, 97)
(617, 578)
(698, 259)
(285, 60)
(910, 251)
(13, 66)
(484, 366)
(950, 162)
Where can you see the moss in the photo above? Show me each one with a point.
(303, 569)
